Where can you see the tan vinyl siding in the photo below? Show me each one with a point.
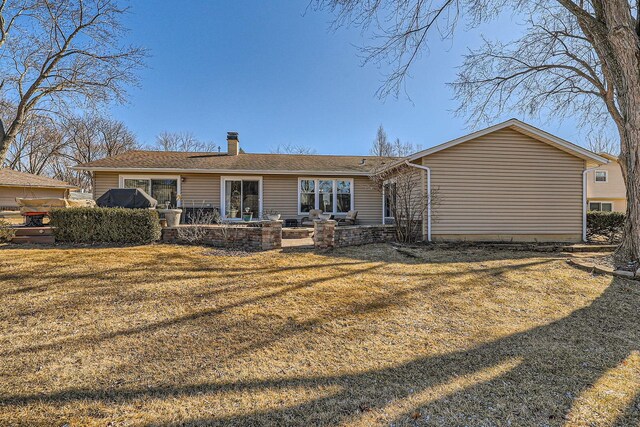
(103, 181)
(506, 184)
(368, 201)
(8, 194)
(280, 193)
(200, 190)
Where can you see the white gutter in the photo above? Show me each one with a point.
(426, 168)
(223, 171)
(584, 201)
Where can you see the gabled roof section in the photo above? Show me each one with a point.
(523, 128)
(11, 178)
(183, 162)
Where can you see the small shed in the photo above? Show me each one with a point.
(25, 185)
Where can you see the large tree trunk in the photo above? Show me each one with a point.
(629, 249)
(4, 144)
(620, 46)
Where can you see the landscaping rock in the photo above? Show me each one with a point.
(624, 273)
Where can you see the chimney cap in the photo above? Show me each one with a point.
(232, 135)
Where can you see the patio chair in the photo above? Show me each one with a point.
(351, 218)
(307, 221)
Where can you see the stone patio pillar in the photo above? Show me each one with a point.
(271, 235)
(324, 231)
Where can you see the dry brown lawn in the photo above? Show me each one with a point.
(170, 335)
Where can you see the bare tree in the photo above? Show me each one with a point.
(88, 138)
(36, 146)
(406, 199)
(55, 55)
(576, 57)
(182, 141)
(199, 227)
(601, 143)
(381, 145)
(293, 149)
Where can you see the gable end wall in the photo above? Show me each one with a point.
(506, 186)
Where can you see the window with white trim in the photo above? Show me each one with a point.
(334, 196)
(601, 176)
(601, 206)
(164, 190)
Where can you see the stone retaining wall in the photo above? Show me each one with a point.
(328, 235)
(261, 236)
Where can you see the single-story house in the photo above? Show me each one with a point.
(605, 187)
(510, 182)
(234, 181)
(25, 185)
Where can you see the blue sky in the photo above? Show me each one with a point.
(277, 74)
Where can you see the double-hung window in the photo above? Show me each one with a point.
(334, 196)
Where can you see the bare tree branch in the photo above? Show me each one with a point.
(57, 54)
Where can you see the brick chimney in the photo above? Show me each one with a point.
(233, 144)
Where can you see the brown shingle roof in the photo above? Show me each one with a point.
(268, 163)
(11, 178)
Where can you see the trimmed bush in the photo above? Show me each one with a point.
(606, 224)
(105, 225)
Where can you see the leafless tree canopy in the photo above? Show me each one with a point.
(601, 143)
(58, 55)
(293, 149)
(86, 139)
(52, 147)
(381, 146)
(555, 67)
(183, 141)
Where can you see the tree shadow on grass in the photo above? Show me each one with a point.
(530, 378)
(206, 313)
(435, 254)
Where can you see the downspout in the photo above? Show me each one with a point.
(426, 168)
(584, 201)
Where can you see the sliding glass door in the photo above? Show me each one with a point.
(241, 195)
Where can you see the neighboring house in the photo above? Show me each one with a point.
(25, 185)
(605, 187)
(508, 182)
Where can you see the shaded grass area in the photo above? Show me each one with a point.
(172, 335)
